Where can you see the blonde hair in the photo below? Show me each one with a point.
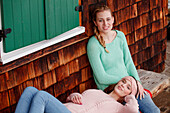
(100, 8)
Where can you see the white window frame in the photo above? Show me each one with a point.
(13, 55)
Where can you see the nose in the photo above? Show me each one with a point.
(105, 22)
(122, 85)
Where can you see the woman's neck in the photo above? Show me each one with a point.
(109, 37)
(114, 95)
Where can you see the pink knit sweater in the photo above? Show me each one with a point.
(96, 101)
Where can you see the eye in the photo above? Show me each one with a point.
(100, 20)
(129, 87)
(108, 19)
(124, 81)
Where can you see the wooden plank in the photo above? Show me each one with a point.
(153, 4)
(138, 34)
(26, 24)
(132, 2)
(145, 19)
(126, 3)
(130, 26)
(40, 66)
(155, 26)
(130, 38)
(15, 94)
(120, 14)
(7, 110)
(90, 84)
(59, 88)
(50, 90)
(145, 33)
(73, 66)
(86, 17)
(77, 78)
(116, 20)
(31, 71)
(155, 82)
(110, 5)
(39, 82)
(86, 74)
(149, 29)
(15, 78)
(133, 11)
(123, 27)
(126, 13)
(28, 83)
(3, 85)
(137, 23)
(83, 61)
(62, 72)
(161, 23)
(140, 57)
(132, 49)
(120, 4)
(35, 20)
(53, 60)
(49, 79)
(82, 87)
(69, 82)
(74, 51)
(4, 97)
(17, 24)
(164, 33)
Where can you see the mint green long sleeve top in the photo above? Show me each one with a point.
(109, 68)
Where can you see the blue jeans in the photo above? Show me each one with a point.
(146, 105)
(34, 101)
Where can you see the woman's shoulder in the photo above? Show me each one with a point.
(121, 36)
(93, 42)
(93, 39)
(120, 33)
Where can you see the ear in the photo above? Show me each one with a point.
(113, 19)
(95, 23)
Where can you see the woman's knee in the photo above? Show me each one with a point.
(30, 89)
(156, 110)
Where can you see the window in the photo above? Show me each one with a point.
(35, 22)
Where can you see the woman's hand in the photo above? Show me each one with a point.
(141, 91)
(75, 98)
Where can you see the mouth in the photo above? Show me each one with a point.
(105, 28)
(120, 88)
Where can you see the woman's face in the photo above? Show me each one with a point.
(123, 88)
(104, 21)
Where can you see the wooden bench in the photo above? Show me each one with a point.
(154, 82)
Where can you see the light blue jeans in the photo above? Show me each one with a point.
(146, 105)
(34, 101)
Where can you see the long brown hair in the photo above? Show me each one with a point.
(110, 88)
(100, 8)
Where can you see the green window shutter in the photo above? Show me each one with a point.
(60, 16)
(26, 19)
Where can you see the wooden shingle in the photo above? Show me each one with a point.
(4, 97)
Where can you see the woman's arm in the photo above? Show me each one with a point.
(94, 52)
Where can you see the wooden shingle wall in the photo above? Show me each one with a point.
(144, 23)
(64, 68)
